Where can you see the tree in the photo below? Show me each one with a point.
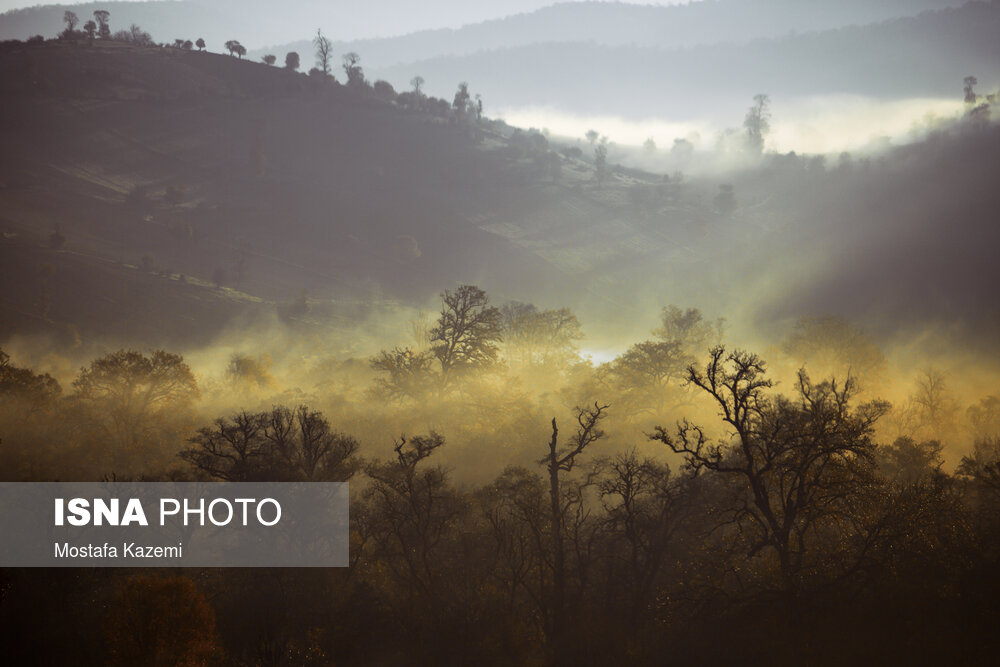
(23, 385)
(462, 99)
(413, 507)
(907, 461)
(418, 83)
(645, 374)
(355, 76)
(246, 372)
(467, 332)
(831, 346)
(200, 43)
(935, 407)
(758, 122)
(292, 60)
(324, 50)
(235, 48)
(645, 509)
(90, 28)
(592, 136)
(187, 45)
(649, 145)
(562, 459)
(129, 392)
(71, 20)
(279, 445)
(970, 93)
(384, 90)
(601, 163)
(103, 28)
(794, 465)
(543, 339)
(408, 374)
(137, 36)
(269, 59)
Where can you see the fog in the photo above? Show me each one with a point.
(819, 125)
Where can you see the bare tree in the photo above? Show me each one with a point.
(467, 333)
(408, 374)
(794, 464)
(279, 445)
(418, 83)
(324, 51)
(412, 509)
(561, 458)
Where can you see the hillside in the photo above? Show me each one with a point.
(166, 170)
(161, 195)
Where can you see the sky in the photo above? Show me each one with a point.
(371, 18)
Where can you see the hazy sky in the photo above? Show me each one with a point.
(375, 17)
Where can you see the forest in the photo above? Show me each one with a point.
(686, 503)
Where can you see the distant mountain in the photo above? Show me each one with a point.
(618, 24)
(257, 23)
(926, 55)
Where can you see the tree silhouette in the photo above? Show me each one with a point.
(467, 332)
(200, 43)
(970, 90)
(408, 374)
(324, 51)
(795, 465)
(90, 28)
(279, 445)
(128, 391)
(462, 98)
(71, 20)
(355, 76)
(561, 458)
(269, 59)
(758, 122)
(292, 60)
(103, 28)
